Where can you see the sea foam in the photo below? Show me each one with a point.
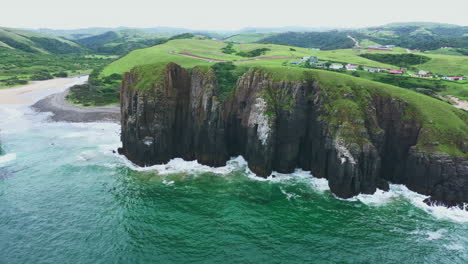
(7, 158)
(379, 198)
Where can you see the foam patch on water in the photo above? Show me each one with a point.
(438, 211)
(380, 197)
(7, 158)
(454, 246)
(398, 191)
(318, 184)
(179, 165)
(430, 235)
(166, 182)
(288, 195)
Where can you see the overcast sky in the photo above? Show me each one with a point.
(226, 15)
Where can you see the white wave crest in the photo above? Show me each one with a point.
(438, 211)
(398, 191)
(7, 158)
(179, 165)
(379, 198)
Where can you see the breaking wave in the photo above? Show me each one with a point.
(7, 158)
(379, 198)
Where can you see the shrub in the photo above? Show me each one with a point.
(253, 53)
(61, 74)
(228, 49)
(402, 60)
(40, 76)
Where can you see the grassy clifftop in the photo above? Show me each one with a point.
(176, 51)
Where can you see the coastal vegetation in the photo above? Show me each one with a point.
(323, 40)
(401, 60)
(18, 67)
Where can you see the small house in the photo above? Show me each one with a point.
(375, 69)
(379, 48)
(336, 66)
(453, 78)
(313, 59)
(351, 67)
(396, 71)
(423, 74)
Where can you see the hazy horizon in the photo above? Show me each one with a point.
(215, 16)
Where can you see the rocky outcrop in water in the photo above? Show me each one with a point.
(281, 126)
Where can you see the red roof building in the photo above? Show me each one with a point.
(396, 72)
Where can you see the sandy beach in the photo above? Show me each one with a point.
(18, 95)
(50, 96)
(64, 111)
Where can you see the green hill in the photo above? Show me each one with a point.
(248, 37)
(323, 40)
(119, 42)
(437, 63)
(417, 35)
(177, 50)
(33, 42)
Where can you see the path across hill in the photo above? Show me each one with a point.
(216, 60)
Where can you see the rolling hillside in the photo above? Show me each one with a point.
(201, 51)
(172, 50)
(119, 42)
(248, 37)
(418, 35)
(323, 40)
(33, 42)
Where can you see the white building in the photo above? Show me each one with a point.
(336, 66)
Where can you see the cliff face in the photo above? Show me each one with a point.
(280, 126)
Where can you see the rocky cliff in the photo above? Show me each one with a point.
(357, 139)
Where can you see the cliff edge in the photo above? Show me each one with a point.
(358, 134)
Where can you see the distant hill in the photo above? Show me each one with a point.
(323, 40)
(248, 37)
(412, 35)
(417, 35)
(119, 42)
(34, 42)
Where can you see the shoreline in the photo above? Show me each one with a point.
(50, 96)
(62, 110)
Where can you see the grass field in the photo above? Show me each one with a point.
(212, 49)
(440, 64)
(446, 64)
(199, 47)
(445, 52)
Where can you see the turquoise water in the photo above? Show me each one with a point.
(65, 197)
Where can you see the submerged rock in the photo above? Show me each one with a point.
(281, 126)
